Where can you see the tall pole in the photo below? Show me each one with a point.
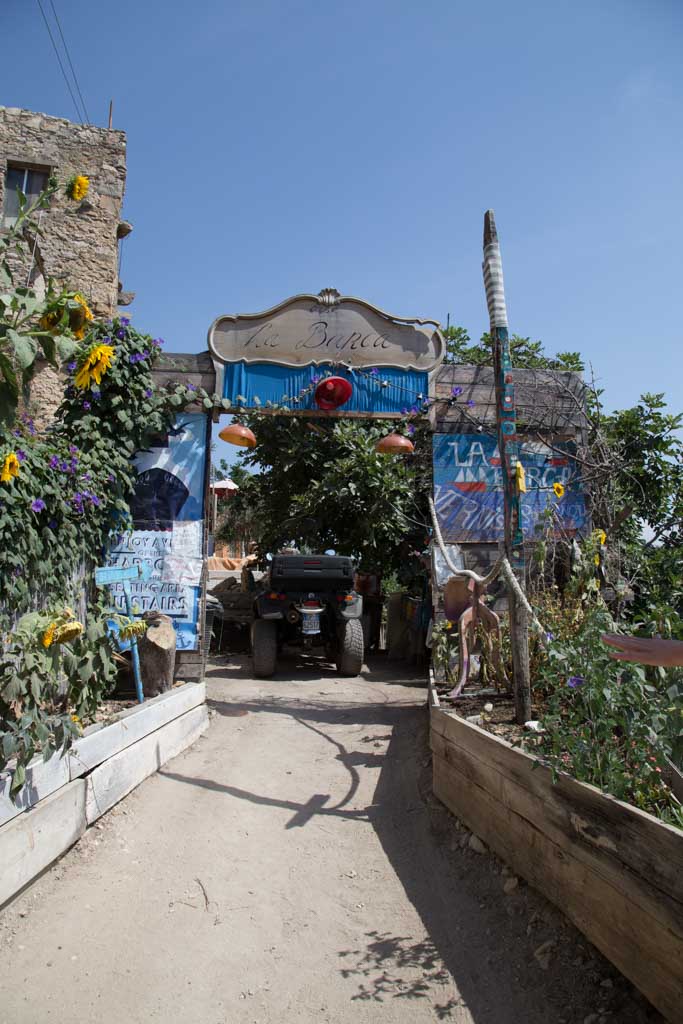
(509, 449)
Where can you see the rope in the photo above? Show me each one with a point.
(502, 566)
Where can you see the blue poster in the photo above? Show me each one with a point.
(468, 488)
(167, 510)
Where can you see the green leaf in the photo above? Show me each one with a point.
(25, 348)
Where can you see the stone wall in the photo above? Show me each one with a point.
(79, 248)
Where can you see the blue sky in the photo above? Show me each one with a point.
(282, 147)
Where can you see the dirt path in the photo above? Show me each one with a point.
(292, 866)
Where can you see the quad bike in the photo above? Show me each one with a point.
(308, 601)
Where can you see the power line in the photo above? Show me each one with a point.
(59, 59)
(68, 57)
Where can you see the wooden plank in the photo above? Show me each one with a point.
(639, 945)
(115, 778)
(636, 840)
(42, 778)
(546, 813)
(102, 742)
(31, 841)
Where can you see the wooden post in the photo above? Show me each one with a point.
(506, 419)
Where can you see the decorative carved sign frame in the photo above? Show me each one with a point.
(327, 328)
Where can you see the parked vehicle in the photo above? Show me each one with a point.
(308, 601)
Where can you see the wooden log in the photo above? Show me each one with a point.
(157, 654)
(32, 841)
(101, 742)
(116, 777)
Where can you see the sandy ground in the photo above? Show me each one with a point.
(293, 866)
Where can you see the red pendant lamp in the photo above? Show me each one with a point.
(237, 433)
(394, 444)
(332, 392)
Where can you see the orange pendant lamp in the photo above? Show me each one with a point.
(394, 444)
(237, 433)
(332, 392)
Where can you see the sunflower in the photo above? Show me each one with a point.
(601, 536)
(49, 635)
(77, 187)
(79, 317)
(69, 631)
(94, 366)
(10, 468)
(559, 490)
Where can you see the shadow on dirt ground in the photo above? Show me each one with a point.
(513, 957)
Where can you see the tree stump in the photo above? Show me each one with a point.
(157, 654)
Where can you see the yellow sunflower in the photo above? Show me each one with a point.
(601, 536)
(10, 468)
(69, 631)
(78, 187)
(79, 318)
(49, 635)
(94, 366)
(559, 490)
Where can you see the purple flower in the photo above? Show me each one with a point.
(64, 466)
(125, 320)
(94, 500)
(374, 371)
(86, 476)
(549, 636)
(86, 406)
(38, 505)
(191, 387)
(404, 412)
(120, 334)
(413, 410)
(72, 365)
(17, 433)
(411, 428)
(315, 378)
(73, 449)
(471, 403)
(575, 681)
(54, 462)
(146, 354)
(111, 478)
(148, 392)
(21, 454)
(158, 342)
(455, 392)
(52, 524)
(73, 466)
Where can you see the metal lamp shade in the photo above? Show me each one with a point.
(394, 444)
(332, 392)
(238, 434)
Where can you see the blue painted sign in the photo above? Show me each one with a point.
(468, 488)
(375, 389)
(168, 519)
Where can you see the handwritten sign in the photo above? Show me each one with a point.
(315, 329)
(468, 489)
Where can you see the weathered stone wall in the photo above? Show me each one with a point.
(79, 248)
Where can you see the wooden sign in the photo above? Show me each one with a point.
(327, 328)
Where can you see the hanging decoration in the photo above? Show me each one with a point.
(394, 444)
(238, 434)
(332, 392)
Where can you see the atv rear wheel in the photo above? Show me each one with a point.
(350, 648)
(264, 648)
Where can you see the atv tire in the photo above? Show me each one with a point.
(264, 648)
(350, 648)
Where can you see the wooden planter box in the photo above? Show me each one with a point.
(615, 871)
(66, 794)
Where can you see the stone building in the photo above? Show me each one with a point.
(80, 246)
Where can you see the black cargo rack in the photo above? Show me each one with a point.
(311, 572)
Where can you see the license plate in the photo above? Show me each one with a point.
(311, 623)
